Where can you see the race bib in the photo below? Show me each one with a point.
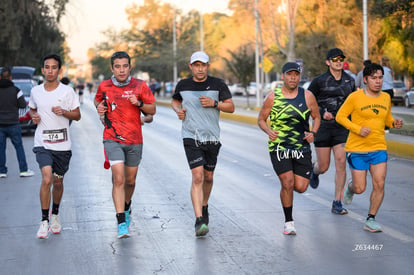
(55, 136)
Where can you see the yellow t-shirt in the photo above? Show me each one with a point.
(360, 110)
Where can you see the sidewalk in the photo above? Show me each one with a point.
(398, 145)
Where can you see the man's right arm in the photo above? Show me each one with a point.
(178, 108)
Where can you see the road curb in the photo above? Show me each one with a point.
(398, 148)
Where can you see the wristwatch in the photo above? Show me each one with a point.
(215, 103)
(141, 104)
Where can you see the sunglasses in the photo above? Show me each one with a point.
(338, 58)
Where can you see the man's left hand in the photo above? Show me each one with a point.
(206, 101)
(398, 123)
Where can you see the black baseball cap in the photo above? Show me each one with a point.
(291, 66)
(334, 53)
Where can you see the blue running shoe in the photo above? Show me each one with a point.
(347, 195)
(338, 209)
(372, 226)
(123, 231)
(314, 179)
(128, 217)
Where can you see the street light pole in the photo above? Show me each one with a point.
(365, 27)
(201, 32)
(258, 81)
(174, 49)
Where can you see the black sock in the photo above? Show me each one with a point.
(205, 210)
(127, 206)
(120, 217)
(45, 214)
(370, 216)
(288, 213)
(55, 209)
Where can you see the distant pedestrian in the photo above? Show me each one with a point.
(365, 113)
(198, 101)
(52, 104)
(120, 101)
(331, 89)
(388, 80)
(289, 109)
(11, 99)
(80, 88)
(155, 87)
(65, 80)
(359, 80)
(347, 70)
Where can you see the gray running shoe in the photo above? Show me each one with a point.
(347, 195)
(372, 226)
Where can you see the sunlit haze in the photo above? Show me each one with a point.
(85, 20)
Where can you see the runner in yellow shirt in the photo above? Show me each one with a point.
(365, 113)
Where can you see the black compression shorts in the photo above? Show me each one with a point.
(330, 134)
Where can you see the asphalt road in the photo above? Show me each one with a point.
(246, 218)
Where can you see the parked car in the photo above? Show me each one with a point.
(25, 85)
(251, 89)
(22, 79)
(236, 89)
(409, 98)
(276, 84)
(399, 92)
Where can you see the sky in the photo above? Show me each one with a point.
(85, 20)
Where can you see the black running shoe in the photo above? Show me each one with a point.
(205, 214)
(314, 179)
(201, 229)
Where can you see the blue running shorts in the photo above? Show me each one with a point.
(363, 161)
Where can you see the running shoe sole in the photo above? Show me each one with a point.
(342, 212)
(123, 236)
(366, 227)
(55, 232)
(289, 233)
(202, 231)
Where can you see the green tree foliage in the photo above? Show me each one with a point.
(29, 31)
(242, 64)
(397, 33)
(318, 25)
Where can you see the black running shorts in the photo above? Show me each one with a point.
(301, 165)
(330, 134)
(201, 153)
